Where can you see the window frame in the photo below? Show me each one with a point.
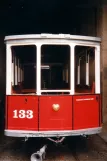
(38, 45)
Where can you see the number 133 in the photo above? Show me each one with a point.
(23, 114)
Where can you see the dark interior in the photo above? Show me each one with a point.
(27, 57)
(82, 52)
(55, 68)
(57, 57)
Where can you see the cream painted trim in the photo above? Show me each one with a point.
(97, 69)
(8, 69)
(38, 69)
(28, 133)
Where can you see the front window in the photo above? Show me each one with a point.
(54, 69)
(56, 72)
(84, 69)
(23, 69)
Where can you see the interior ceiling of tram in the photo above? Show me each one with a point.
(82, 51)
(57, 16)
(50, 53)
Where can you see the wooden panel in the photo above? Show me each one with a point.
(86, 111)
(60, 119)
(22, 112)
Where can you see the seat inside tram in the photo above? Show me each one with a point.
(55, 69)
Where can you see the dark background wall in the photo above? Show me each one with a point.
(23, 16)
(2, 79)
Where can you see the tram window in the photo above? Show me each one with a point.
(84, 69)
(23, 69)
(55, 73)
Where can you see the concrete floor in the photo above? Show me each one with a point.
(74, 149)
(103, 134)
(93, 148)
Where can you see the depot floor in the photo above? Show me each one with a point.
(93, 148)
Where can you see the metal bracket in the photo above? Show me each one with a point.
(59, 140)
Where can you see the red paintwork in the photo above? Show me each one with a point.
(86, 112)
(55, 120)
(72, 115)
(101, 119)
(18, 103)
(6, 114)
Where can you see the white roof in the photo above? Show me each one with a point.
(52, 36)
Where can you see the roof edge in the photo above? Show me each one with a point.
(49, 36)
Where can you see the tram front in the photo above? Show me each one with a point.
(52, 86)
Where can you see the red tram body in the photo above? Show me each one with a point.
(52, 96)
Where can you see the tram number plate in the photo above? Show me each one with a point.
(23, 114)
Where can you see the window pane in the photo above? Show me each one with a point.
(55, 67)
(23, 69)
(84, 69)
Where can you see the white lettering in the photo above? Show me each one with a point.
(29, 114)
(85, 99)
(23, 114)
(15, 114)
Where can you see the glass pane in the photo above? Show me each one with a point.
(55, 71)
(23, 69)
(84, 69)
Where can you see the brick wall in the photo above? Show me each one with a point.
(102, 32)
(95, 24)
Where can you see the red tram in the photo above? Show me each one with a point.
(52, 85)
